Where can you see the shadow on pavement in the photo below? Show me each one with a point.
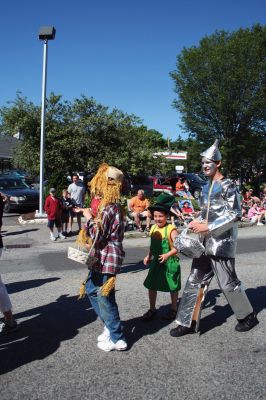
(21, 232)
(136, 328)
(257, 297)
(41, 335)
(134, 267)
(15, 287)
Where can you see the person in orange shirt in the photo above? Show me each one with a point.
(138, 206)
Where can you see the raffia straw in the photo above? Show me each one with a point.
(108, 286)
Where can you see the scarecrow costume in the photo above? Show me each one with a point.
(108, 250)
(221, 210)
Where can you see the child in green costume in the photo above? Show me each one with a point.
(164, 271)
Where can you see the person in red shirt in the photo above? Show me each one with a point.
(187, 209)
(53, 207)
(94, 206)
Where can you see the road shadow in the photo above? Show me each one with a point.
(41, 335)
(136, 328)
(134, 267)
(20, 232)
(257, 297)
(16, 287)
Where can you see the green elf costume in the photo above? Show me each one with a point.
(163, 277)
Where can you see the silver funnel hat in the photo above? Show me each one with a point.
(212, 153)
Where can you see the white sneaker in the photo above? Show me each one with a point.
(108, 345)
(259, 224)
(61, 236)
(105, 335)
(53, 238)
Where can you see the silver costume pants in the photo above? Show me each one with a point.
(202, 271)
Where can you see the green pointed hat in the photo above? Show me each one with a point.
(164, 203)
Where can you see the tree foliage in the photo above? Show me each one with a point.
(79, 135)
(221, 87)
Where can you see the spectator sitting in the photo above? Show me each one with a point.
(188, 194)
(262, 209)
(255, 214)
(187, 211)
(248, 197)
(180, 188)
(138, 206)
(177, 217)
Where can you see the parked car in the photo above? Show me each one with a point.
(167, 185)
(19, 194)
(135, 183)
(18, 173)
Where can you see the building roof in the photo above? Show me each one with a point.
(7, 144)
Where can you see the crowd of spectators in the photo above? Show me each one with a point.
(182, 211)
(254, 207)
(60, 210)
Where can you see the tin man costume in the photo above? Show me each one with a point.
(220, 212)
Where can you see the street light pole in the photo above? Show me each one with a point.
(46, 33)
(42, 141)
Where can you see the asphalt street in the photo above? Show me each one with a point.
(54, 353)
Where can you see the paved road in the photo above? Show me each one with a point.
(54, 354)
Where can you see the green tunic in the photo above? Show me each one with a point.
(164, 277)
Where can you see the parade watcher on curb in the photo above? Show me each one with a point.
(256, 213)
(66, 212)
(53, 207)
(138, 207)
(77, 193)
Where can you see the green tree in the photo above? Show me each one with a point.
(79, 136)
(221, 87)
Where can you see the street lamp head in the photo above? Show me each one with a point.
(47, 33)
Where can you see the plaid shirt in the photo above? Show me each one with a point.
(109, 248)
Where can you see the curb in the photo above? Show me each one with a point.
(128, 234)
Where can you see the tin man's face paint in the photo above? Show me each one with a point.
(209, 167)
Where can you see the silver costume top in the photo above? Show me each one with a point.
(224, 212)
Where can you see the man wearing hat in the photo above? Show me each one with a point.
(217, 228)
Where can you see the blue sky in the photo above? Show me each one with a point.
(119, 52)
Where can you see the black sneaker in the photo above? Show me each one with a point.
(5, 329)
(149, 315)
(247, 323)
(181, 330)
